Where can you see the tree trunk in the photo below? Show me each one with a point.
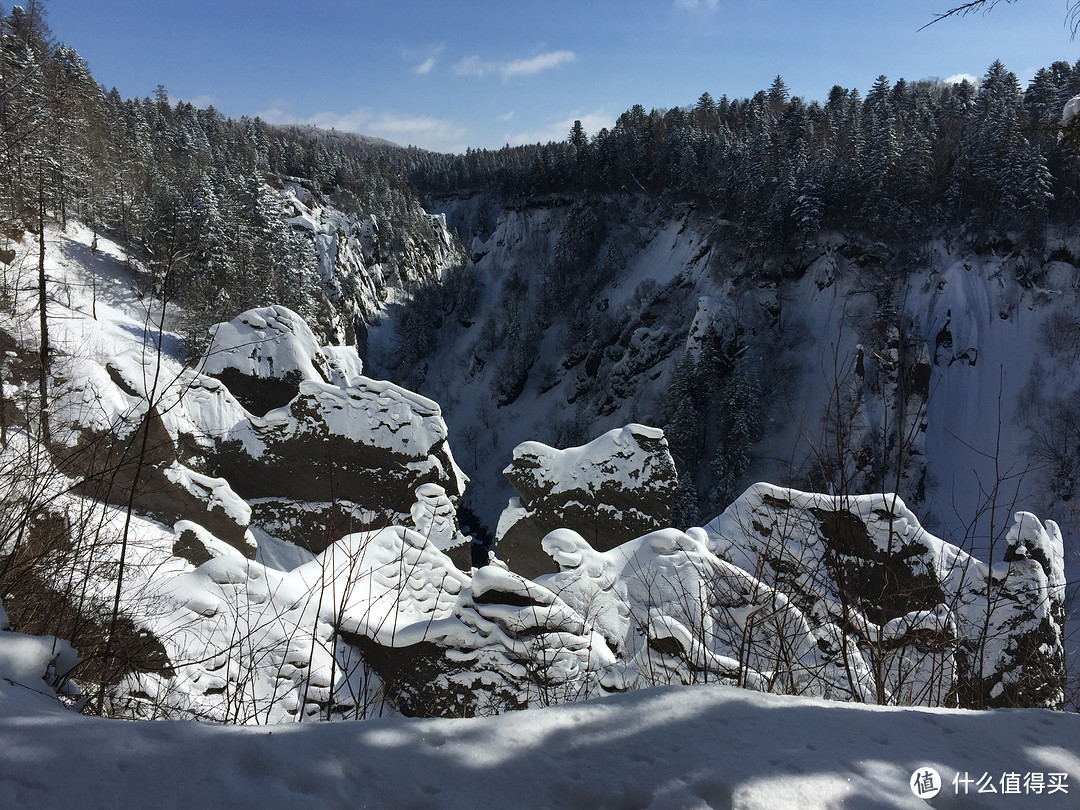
(43, 352)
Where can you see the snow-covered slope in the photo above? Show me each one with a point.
(227, 620)
(689, 747)
(383, 620)
(358, 272)
(144, 496)
(957, 356)
(589, 343)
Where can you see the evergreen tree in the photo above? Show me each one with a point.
(684, 424)
(685, 511)
(23, 114)
(740, 427)
(778, 96)
(577, 137)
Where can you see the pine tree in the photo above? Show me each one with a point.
(683, 426)
(685, 511)
(208, 289)
(994, 143)
(705, 116)
(1034, 183)
(577, 136)
(23, 112)
(740, 428)
(777, 96)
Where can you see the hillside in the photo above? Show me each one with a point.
(794, 328)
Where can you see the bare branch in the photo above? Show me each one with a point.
(1072, 17)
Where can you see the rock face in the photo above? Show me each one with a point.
(615, 488)
(930, 624)
(275, 432)
(359, 274)
(125, 449)
(351, 449)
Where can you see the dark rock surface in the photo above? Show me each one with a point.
(611, 490)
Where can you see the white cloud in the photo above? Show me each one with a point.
(202, 102)
(710, 5)
(959, 77)
(559, 130)
(545, 61)
(507, 116)
(425, 67)
(475, 66)
(472, 66)
(427, 132)
(424, 58)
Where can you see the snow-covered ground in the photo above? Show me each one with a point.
(678, 747)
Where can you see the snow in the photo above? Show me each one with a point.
(973, 437)
(358, 282)
(675, 248)
(434, 517)
(280, 555)
(612, 458)
(215, 492)
(682, 747)
(371, 412)
(769, 522)
(390, 586)
(1072, 109)
(275, 342)
(37, 663)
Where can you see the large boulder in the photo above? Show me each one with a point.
(372, 444)
(319, 449)
(123, 450)
(941, 627)
(263, 354)
(615, 488)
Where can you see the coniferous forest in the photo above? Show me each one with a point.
(187, 186)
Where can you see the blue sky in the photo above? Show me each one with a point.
(445, 75)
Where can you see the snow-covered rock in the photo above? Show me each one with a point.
(123, 449)
(616, 487)
(370, 445)
(317, 449)
(674, 612)
(932, 623)
(366, 262)
(381, 619)
(263, 354)
(434, 516)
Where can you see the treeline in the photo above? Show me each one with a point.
(187, 190)
(192, 192)
(907, 156)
